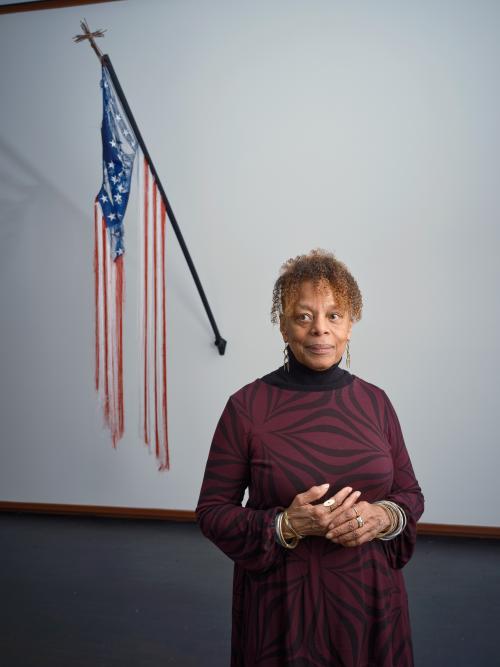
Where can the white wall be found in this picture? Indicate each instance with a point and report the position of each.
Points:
(371, 129)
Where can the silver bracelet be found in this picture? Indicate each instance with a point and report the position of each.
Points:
(402, 521)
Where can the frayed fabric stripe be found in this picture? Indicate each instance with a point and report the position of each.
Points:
(153, 309)
(109, 296)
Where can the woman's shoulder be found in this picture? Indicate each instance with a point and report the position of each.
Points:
(249, 389)
(368, 386)
(245, 404)
(370, 389)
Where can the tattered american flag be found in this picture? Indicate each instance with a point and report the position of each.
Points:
(119, 152)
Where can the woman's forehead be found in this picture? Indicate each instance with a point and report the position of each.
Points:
(309, 293)
(310, 289)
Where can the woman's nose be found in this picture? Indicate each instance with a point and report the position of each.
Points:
(320, 325)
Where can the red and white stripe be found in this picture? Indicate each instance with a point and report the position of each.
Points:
(153, 313)
(109, 301)
(109, 304)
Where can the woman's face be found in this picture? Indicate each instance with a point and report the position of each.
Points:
(315, 328)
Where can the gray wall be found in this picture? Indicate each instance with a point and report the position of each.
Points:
(367, 128)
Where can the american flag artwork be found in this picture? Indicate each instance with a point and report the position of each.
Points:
(120, 150)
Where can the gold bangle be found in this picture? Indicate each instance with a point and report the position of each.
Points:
(288, 524)
(288, 544)
(393, 519)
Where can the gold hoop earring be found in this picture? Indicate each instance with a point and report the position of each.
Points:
(286, 359)
(348, 356)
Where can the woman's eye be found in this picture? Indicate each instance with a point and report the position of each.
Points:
(334, 316)
(303, 317)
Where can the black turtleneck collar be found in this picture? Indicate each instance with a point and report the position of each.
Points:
(302, 378)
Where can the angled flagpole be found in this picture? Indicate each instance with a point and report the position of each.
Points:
(106, 62)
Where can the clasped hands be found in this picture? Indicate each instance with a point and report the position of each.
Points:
(337, 520)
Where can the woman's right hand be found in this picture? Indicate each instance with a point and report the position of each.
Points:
(308, 519)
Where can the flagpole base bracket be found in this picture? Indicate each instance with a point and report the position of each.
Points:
(221, 345)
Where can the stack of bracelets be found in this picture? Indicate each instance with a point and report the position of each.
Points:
(397, 517)
(396, 526)
(288, 544)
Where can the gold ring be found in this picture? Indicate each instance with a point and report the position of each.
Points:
(330, 503)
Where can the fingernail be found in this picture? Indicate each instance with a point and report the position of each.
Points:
(325, 486)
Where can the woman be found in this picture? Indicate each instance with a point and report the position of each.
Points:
(333, 501)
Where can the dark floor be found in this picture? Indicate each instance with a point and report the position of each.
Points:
(82, 592)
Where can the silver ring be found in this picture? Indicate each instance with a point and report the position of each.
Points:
(360, 521)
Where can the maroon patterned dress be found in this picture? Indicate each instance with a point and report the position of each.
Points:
(320, 604)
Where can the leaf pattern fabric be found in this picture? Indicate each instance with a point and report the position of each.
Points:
(320, 604)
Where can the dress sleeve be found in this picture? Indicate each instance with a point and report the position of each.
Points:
(405, 492)
(244, 534)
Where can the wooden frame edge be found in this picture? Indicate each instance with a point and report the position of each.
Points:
(17, 7)
(189, 516)
(456, 530)
(99, 510)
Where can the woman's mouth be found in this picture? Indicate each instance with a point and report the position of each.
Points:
(320, 349)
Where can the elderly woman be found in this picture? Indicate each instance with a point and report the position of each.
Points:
(332, 498)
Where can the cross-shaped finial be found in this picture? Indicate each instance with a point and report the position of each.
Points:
(87, 34)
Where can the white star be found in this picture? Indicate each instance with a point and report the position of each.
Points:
(118, 117)
(120, 188)
(113, 143)
(118, 199)
(115, 179)
(119, 251)
(104, 199)
(111, 165)
(111, 217)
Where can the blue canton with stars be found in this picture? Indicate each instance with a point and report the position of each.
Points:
(119, 147)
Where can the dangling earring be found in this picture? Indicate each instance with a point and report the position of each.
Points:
(348, 356)
(286, 359)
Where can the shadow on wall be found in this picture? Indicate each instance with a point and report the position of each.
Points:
(46, 300)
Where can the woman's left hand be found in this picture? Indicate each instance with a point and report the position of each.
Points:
(357, 525)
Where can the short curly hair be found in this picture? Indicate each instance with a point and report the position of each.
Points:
(319, 266)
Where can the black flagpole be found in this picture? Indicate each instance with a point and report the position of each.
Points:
(106, 62)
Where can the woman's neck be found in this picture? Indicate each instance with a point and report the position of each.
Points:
(302, 378)
(301, 374)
